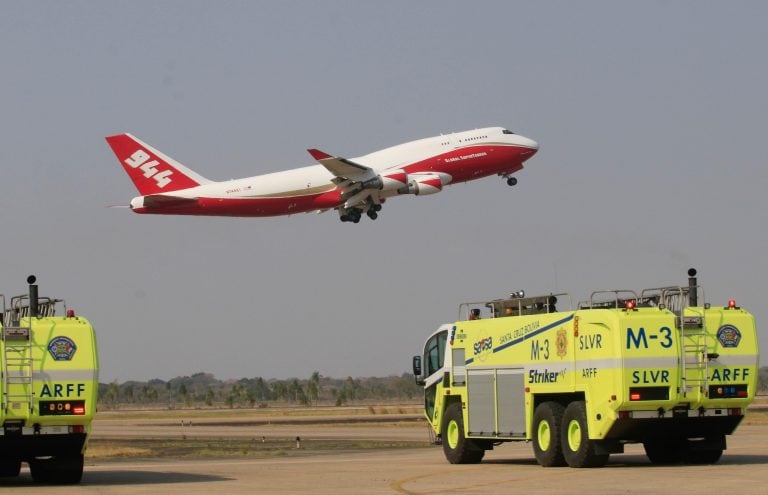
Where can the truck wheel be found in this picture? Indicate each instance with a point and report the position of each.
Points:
(457, 447)
(704, 456)
(9, 468)
(665, 450)
(59, 470)
(547, 422)
(578, 449)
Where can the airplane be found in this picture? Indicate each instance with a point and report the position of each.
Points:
(353, 187)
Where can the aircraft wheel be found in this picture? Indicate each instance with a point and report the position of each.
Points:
(511, 181)
(376, 207)
(344, 218)
(372, 215)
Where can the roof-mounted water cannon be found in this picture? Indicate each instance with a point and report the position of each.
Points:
(33, 309)
(693, 299)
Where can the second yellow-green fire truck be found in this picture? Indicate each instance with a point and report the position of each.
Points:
(48, 388)
(656, 368)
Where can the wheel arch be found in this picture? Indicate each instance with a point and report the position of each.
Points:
(447, 402)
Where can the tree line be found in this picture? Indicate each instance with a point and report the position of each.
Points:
(204, 389)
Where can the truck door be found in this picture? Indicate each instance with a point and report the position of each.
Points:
(434, 362)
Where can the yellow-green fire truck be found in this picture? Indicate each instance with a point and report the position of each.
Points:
(654, 368)
(48, 387)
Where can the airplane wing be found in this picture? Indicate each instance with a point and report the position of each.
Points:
(358, 182)
(342, 168)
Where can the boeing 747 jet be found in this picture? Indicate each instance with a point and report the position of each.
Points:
(353, 187)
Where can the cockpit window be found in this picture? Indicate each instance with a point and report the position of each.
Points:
(505, 131)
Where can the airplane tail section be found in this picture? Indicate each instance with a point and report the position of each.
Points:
(151, 171)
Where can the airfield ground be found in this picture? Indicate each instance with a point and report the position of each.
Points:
(380, 450)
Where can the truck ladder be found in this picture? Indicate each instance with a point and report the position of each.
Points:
(18, 389)
(694, 365)
(695, 369)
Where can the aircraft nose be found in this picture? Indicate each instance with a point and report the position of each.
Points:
(531, 146)
(529, 143)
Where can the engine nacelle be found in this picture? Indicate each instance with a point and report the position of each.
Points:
(423, 184)
(391, 181)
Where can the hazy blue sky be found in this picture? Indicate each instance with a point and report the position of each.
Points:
(651, 117)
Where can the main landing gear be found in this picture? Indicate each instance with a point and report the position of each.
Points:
(354, 214)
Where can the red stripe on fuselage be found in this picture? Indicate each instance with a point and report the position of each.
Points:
(253, 207)
(475, 162)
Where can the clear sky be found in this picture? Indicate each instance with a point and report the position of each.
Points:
(651, 120)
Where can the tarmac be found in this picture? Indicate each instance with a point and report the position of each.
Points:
(510, 468)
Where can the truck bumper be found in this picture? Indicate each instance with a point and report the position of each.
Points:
(26, 447)
(683, 427)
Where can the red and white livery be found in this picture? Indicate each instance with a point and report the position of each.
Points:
(354, 186)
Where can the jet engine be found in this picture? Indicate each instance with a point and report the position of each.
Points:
(423, 184)
(391, 181)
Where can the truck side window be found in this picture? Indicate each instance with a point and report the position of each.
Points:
(434, 352)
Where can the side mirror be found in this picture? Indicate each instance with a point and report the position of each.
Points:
(417, 369)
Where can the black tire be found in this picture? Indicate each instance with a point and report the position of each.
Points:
(9, 468)
(457, 447)
(665, 451)
(547, 445)
(512, 181)
(704, 456)
(578, 449)
(59, 470)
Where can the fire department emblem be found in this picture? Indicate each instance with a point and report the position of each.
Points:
(562, 343)
(62, 348)
(729, 336)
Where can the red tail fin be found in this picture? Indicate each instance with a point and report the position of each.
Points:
(151, 171)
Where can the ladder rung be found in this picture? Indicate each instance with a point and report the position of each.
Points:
(18, 370)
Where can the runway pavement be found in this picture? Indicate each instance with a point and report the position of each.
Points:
(509, 469)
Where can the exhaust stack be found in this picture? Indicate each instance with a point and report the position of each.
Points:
(693, 298)
(33, 309)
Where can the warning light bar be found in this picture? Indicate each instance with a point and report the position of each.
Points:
(728, 392)
(62, 407)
